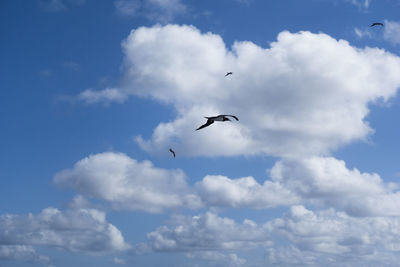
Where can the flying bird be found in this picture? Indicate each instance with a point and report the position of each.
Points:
(376, 24)
(173, 152)
(228, 73)
(210, 120)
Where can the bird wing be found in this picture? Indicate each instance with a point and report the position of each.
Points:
(173, 152)
(209, 122)
(236, 118)
(376, 23)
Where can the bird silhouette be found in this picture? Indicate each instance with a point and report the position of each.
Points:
(210, 120)
(376, 24)
(228, 73)
(173, 152)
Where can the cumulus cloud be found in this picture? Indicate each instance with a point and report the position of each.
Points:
(300, 237)
(327, 181)
(129, 184)
(207, 232)
(334, 238)
(221, 191)
(21, 253)
(84, 230)
(322, 181)
(156, 10)
(306, 94)
(392, 32)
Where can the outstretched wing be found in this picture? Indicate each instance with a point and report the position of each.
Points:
(376, 23)
(209, 122)
(228, 73)
(236, 118)
(173, 152)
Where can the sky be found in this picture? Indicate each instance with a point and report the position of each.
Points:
(95, 93)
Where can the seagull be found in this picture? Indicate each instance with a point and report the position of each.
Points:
(210, 120)
(173, 152)
(376, 24)
(228, 73)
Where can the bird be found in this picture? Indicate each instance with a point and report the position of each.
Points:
(173, 152)
(376, 24)
(228, 73)
(210, 120)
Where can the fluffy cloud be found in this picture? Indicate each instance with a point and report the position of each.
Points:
(129, 184)
(329, 182)
(206, 232)
(305, 95)
(21, 253)
(222, 191)
(83, 230)
(322, 181)
(300, 237)
(333, 238)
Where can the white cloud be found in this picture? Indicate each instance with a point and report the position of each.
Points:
(84, 230)
(392, 32)
(300, 237)
(221, 191)
(305, 95)
(155, 10)
(329, 182)
(334, 239)
(207, 232)
(21, 253)
(129, 184)
(322, 181)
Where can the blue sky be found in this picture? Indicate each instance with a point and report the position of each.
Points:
(94, 93)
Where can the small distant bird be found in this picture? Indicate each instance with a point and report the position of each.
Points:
(376, 24)
(173, 152)
(210, 120)
(228, 73)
